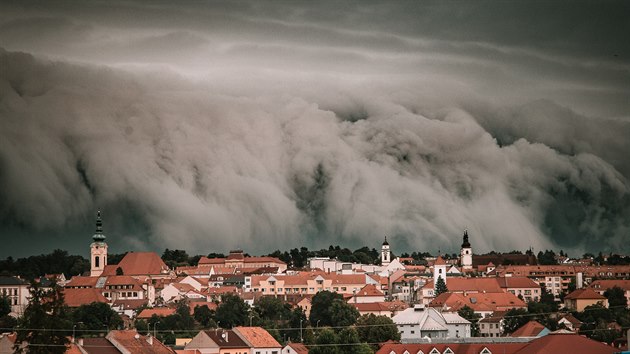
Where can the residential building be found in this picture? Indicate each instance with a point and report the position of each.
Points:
(420, 321)
(309, 283)
(389, 308)
(368, 293)
(16, 290)
(484, 304)
(570, 322)
(219, 341)
(295, 348)
(259, 340)
(491, 326)
(581, 298)
(236, 259)
(601, 286)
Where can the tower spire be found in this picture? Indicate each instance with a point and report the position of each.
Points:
(98, 234)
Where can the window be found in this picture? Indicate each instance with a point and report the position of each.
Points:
(97, 261)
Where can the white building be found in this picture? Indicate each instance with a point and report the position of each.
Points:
(420, 322)
(16, 290)
(465, 257)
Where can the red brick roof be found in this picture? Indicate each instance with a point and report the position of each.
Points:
(530, 329)
(607, 284)
(565, 343)
(586, 293)
(77, 297)
(139, 263)
(257, 337)
(516, 282)
(489, 285)
(226, 339)
(98, 346)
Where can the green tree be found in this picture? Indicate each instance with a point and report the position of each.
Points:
(616, 297)
(95, 317)
(297, 320)
(204, 316)
(6, 321)
(514, 319)
(440, 286)
(271, 310)
(349, 342)
(232, 311)
(469, 314)
(46, 316)
(376, 329)
(342, 313)
(320, 308)
(325, 343)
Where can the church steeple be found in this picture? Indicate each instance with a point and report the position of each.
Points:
(98, 249)
(98, 234)
(465, 244)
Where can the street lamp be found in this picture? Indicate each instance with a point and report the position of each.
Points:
(317, 324)
(301, 338)
(154, 330)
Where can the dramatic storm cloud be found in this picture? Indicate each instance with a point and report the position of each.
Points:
(266, 125)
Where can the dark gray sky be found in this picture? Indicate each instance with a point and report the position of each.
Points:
(266, 125)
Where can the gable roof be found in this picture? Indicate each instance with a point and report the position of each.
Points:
(369, 290)
(298, 347)
(478, 301)
(586, 293)
(226, 338)
(98, 346)
(530, 329)
(79, 281)
(135, 343)
(161, 311)
(257, 337)
(566, 343)
(472, 348)
(139, 263)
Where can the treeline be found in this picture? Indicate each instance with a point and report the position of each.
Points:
(57, 262)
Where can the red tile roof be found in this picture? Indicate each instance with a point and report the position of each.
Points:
(439, 261)
(516, 282)
(599, 285)
(530, 329)
(464, 348)
(489, 285)
(78, 281)
(83, 296)
(257, 337)
(369, 290)
(98, 346)
(139, 263)
(226, 339)
(478, 301)
(586, 293)
(380, 306)
(565, 343)
(299, 348)
(135, 343)
(161, 311)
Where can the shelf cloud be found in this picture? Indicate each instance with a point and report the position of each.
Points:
(255, 125)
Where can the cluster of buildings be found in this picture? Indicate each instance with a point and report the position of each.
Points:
(397, 288)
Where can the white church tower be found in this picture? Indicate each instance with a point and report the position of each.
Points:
(98, 249)
(439, 270)
(465, 257)
(386, 255)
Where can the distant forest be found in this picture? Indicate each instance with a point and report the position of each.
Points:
(59, 261)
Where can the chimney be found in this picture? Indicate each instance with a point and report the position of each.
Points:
(150, 340)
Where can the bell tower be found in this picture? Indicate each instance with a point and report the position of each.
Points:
(98, 249)
(386, 255)
(465, 256)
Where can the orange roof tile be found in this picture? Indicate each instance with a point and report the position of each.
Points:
(139, 263)
(439, 261)
(565, 343)
(78, 281)
(369, 290)
(586, 293)
(257, 337)
(135, 343)
(83, 296)
(160, 312)
(478, 301)
(299, 348)
(530, 329)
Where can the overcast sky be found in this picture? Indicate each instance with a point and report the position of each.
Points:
(272, 125)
